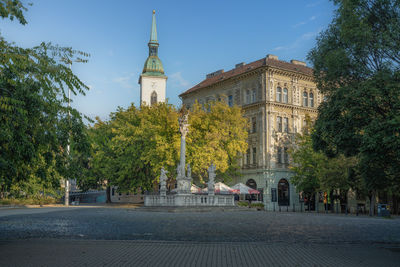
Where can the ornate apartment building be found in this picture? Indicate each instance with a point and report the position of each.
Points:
(276, 96)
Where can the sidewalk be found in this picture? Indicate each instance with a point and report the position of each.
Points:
(58, 252)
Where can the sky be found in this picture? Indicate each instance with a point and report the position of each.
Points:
(195, 37)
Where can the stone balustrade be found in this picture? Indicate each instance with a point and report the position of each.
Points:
(188, 200)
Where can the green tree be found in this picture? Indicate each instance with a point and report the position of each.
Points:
(101, 170)
(35, 125)
(356, 65)
(217, 134)
(130, 149)
(315, 172)
(307, 165)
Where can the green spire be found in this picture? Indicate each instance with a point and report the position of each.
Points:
(153, 65)
(153, 36)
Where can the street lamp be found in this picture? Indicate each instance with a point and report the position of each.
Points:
(68, 146)
(67, 181)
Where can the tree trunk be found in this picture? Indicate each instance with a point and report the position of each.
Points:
(371, 203)
(108, 194)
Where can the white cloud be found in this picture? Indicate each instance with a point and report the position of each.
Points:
(125, 81)
(308, 35)
(313, 4)
(304, 22)
(178, 79)
(299, 24)
(304, 37)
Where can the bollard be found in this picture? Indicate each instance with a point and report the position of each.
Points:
(346, 208)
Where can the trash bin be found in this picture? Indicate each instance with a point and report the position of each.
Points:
(383, 210)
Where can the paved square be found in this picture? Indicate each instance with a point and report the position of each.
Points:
(127, 236)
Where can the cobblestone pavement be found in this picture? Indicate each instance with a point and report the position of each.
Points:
(147, 253)
(127, 236)
(241, 226)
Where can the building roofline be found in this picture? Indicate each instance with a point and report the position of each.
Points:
(269, 61)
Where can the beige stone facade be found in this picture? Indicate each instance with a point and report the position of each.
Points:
(276, 97)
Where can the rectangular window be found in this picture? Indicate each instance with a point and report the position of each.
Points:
(230, 100)
(286, 125)
(279, 124)
(285, 156)
(248, 156)
(248, 97)
(253, 96)
(254, 155)
(278, 155)
(113, 191)
(253, 125)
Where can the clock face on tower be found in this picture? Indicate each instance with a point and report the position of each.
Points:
(153, 85)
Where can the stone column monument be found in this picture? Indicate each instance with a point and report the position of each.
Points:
(163, 182)
(184, 183)
(211, 177)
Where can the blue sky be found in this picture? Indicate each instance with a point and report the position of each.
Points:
(196, 38)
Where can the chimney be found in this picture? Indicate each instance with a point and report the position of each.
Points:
(215, 73)
(239, 65)
(298, 62)
(269, 56)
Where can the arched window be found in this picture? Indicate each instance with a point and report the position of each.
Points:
(305, 99)
(153, 99)
(251, 183)
(279, 94)
(311, 100)
(285, 95)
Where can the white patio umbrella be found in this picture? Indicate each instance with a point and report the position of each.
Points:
(195, 189)
(244, 189)
(224, 189)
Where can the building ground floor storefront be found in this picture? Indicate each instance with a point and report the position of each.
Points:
(277, 193)
(276, 190)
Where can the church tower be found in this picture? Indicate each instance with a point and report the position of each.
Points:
(152, 81)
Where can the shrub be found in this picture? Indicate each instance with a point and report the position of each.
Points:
(257, 205)
(243, 203)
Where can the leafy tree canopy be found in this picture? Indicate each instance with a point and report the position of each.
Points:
(35, 125)
(357, 67)
(314, 171)
(132, 147)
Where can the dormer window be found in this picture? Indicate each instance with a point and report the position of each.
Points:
(153, 51)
